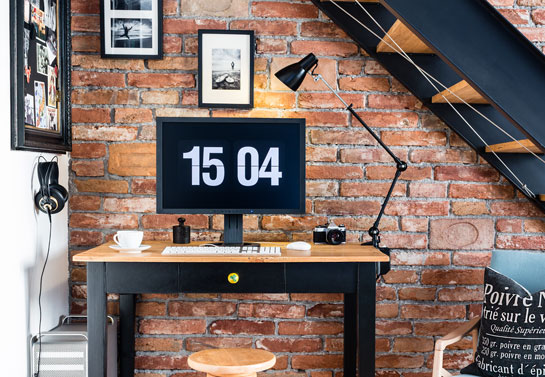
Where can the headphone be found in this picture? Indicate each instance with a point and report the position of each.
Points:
(51, 197)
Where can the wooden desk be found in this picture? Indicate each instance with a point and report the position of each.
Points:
(348, 269)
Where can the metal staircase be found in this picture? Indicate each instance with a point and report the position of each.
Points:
(480, 56)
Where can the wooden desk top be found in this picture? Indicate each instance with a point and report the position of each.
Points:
(318, 253)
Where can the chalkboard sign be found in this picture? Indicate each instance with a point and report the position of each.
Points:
(39, 75)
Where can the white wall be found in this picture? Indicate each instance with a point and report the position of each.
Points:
(24, 239)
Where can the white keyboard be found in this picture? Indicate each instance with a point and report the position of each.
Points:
(222, 250)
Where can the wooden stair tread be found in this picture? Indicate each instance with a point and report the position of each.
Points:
(513, 147)
(405, 38)
(463, 90)
(542, 197)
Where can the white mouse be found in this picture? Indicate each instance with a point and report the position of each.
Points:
(299, 245)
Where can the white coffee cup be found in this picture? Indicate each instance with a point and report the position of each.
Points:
(129, 239)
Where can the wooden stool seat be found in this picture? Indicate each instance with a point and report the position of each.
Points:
(233, 362)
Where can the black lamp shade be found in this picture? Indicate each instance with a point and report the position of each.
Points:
(293, 75)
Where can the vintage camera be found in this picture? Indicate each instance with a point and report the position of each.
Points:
(329, 233)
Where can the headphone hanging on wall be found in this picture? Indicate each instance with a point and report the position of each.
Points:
(51, 197)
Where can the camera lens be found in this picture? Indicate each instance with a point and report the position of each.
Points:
(334, 237)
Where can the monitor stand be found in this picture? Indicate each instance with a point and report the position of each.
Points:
(232, 231)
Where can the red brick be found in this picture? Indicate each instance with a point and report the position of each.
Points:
(531, 226)
(481, 191)
(85, 23)
(364, 84)
(132, 116)
(289, 344)
(417, 294)
(261, 310)
(271, 46)
(389, 310)
(334, 172)
(85, 238)
(460, 294)
(320, 29)
(85, 43)
(469, 208)
(201, 309)
(95, 115)
(413, 173)
(287, 222)
(326, 310)
(321, 118)
(401, 276)
(369, 155)
(414, 138)
(417, 208)
(256, 296)
(363, 189)
(147, 309)
(426, 258)
(274, 100)
(96, 62)
(452, 277)
(91, 168)
(509, 225)
(321, 154)
(143, 186)
(515, 209)
(102, 185)
(435, 328)
(167, 221)
(316, 188)
(324, 48)
(104, 133)
(520, 242)
(199, 344)
(160, 362)
(284, 10)
(168, 326)
(329, 297)
(84, 203)
(413, 344)
(472, 259)
(350, 67)
(103, 221)
(310, 328)
(172, 44)
(102, 79)
(393, 327)
(414, 224)
(456, 234)
(83, 6)
(466, 173)
(342, 207)
(265, 27)
(516, 16)
(328, 100)
(161, 80)
(388, 101)
(316, 361)
(230, 327)
(443, 156)
(341, 137)
(88, 150)
(158, 344)
(129, 204)
(399, 361)
(190, 26)
(405, 241)
(538, 16)
(533, 34)
(433, 311)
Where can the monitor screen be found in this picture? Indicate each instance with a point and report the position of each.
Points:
(230, 165)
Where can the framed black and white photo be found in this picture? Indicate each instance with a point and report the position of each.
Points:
(226, 68)
(131, 29)
(40, 73)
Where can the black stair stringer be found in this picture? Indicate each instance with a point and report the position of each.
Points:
(487, 51)
(524, 166)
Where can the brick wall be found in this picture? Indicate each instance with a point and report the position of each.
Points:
(448, 212)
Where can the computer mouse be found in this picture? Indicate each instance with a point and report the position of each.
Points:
(299, 245)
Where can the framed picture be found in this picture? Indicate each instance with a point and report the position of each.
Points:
(131, 29)
(40, 73)
(226, 68)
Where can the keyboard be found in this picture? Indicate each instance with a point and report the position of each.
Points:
(222, 250)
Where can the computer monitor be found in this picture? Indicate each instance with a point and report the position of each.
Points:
(231, 166)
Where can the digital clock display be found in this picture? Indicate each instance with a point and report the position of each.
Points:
(230, 166)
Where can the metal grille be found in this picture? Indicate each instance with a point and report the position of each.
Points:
(60, 358)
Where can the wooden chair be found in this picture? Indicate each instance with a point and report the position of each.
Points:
(231, 362)
(524, 267)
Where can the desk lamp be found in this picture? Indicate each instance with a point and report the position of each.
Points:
(292, 76)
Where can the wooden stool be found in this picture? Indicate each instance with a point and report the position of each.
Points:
(231, 362)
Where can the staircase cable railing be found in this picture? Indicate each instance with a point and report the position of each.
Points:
(430, 78)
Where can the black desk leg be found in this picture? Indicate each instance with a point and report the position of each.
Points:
(350, 334)
(126, 335)
(96, 319)
(366, 319)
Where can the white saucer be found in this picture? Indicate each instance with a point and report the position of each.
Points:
(133, 250)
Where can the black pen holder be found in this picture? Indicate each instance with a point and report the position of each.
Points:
(181, 233)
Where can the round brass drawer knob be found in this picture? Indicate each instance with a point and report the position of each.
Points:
(233, 278)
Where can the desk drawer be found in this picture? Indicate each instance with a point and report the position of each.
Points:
(141, 277)
(252, 278)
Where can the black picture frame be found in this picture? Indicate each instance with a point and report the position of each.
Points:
(206, 73)
(131, 53)
(25, 137)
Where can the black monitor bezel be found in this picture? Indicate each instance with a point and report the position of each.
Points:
(160, 121)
